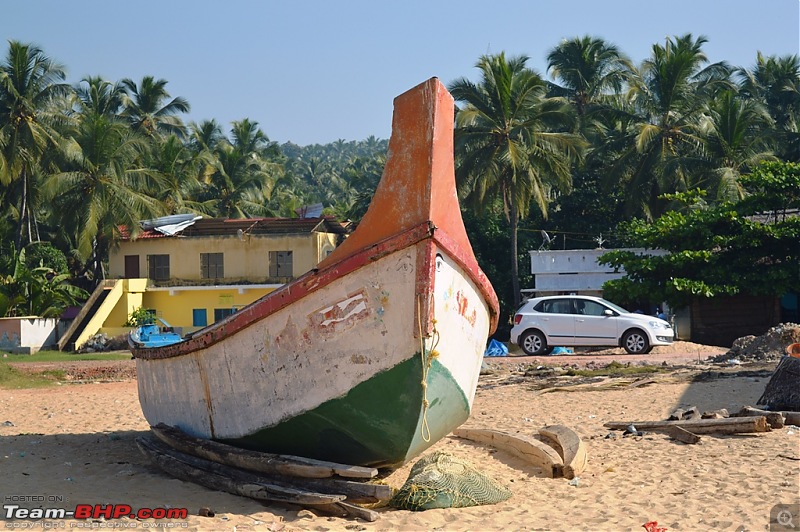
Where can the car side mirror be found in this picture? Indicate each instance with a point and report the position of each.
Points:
(609, 312)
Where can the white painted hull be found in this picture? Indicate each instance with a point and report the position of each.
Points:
(318, 349)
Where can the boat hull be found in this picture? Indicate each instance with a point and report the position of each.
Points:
(338, 376)
(370, 358)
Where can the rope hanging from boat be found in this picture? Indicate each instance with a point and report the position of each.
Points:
(427, 361)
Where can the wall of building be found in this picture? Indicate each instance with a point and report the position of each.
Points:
(575, 270)
(721, 320)
(245, 259)
(246, 274)
(176, 305)
(27, 334)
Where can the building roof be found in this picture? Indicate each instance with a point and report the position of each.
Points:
(249, 226)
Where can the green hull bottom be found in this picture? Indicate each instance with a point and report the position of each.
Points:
(379, 423)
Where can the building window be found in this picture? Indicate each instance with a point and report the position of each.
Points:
(280, 263)
(211, 266)
(199, 317)
(158, 267)
(222, 313)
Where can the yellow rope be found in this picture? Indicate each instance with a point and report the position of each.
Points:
(427, 361)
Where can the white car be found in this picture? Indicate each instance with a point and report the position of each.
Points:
(545, 322)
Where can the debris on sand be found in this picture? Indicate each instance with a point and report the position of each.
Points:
(769, 346)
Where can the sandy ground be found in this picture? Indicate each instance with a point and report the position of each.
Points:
(74, 444)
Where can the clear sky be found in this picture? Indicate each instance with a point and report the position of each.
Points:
(317, 71)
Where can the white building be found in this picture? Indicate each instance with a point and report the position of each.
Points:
(574, 271)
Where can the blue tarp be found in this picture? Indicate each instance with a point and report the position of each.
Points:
(496, 349)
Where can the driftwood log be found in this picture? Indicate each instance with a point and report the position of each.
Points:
(326, 494)
(734, 425)
(679, 433)
(783, 389)
(295, 466)
(185, 467)
(527, 448)
(569, 445)
(776, 420)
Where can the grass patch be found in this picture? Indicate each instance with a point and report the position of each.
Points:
(12, 378)
(616, 369)
(60, 356)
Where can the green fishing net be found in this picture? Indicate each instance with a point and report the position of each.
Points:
(440, 480)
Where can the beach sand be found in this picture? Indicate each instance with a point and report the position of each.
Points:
(74, 444)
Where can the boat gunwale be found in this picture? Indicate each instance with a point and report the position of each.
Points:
(319, 278)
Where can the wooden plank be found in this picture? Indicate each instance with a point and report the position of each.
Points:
(362, 492)
(733, 425)
(570, 446)
(527, 448)
(345, 509)
(184, 470)
(681, 434)
(256, 461)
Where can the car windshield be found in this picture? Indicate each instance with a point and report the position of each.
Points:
(615, 307)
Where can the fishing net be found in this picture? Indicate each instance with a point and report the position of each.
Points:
(440, 480)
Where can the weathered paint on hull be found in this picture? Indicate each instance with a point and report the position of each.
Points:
(378, 423)
(331, 361)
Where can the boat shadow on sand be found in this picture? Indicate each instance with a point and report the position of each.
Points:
(107, 468)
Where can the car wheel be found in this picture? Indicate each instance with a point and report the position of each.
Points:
(534, 343)
(635, 342)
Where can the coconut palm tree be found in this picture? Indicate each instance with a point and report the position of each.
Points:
(512, 142)
(244, 173)
(32, 96)
(735, 141)
(181, 170)
(149, 112)
(662, 145)
(588, 71)
(775, 81)
(103, 186)
(98, 96)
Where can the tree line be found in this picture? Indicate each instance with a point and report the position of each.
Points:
(602, 141)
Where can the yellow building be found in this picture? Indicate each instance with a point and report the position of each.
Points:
(198, 271)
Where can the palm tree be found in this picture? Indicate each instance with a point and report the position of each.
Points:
(589, 71)
(734, 142)
(103, 186)
(775, 82)
(147, 111)
(181, 170)
(242, 181)
(668, 96)
(98, 96)
(32, 93)
(511, 142)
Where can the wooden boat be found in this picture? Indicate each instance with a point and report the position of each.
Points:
(371, 357)
(153, 335)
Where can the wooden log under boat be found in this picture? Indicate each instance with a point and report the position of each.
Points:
(255, 461)
(281, 488)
